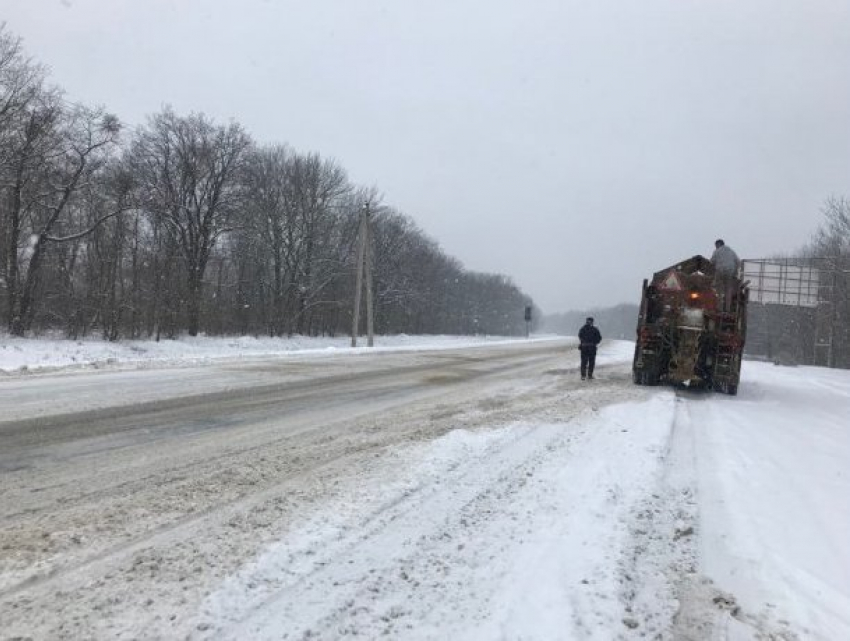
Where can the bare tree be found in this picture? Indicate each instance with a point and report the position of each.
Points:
(21, 87)
(270, 224)
(21, 81)
(189, 169)
(832, 243)
(54, 151)
(315, 188)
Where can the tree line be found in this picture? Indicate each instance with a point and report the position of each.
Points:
(829, 251)
(615, 322)
(183, 224)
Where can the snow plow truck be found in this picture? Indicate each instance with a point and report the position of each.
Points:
(686, 333)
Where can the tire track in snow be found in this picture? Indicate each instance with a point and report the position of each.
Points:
(470, 520)
(392, 525)
(704, 611)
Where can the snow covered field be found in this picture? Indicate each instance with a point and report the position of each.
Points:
(442, 489)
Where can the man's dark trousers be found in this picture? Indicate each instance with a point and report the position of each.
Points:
(588, 360)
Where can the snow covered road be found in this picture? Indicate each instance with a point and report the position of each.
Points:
(473, 493)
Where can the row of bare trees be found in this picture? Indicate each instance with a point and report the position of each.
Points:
(187, 225)
(831, 244)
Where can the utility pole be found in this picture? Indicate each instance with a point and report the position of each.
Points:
(370, 314)
(830, 358)
(363, 262)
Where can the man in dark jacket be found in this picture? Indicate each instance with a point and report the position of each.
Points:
(589, 337)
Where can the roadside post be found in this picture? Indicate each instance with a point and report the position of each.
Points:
(363, 263)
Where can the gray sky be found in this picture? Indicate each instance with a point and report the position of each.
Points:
(576, 146)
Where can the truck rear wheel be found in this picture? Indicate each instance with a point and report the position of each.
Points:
(645, 377)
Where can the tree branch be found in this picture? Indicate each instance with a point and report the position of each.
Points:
(86, 232)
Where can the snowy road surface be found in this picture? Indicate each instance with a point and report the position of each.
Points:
(473, 493)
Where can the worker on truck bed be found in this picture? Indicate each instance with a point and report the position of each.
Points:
(726, 264)
(589, 337)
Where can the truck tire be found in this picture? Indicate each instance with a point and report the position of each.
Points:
(645, 377)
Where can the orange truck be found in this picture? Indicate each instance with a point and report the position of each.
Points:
(685, 337)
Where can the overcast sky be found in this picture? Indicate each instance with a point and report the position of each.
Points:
(576, 146)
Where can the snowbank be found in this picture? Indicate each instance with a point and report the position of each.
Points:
(39, 354)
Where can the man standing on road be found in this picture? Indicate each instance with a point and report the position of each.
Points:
(726, 264)
(589, 337)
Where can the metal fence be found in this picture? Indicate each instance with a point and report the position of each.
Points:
(799, 310)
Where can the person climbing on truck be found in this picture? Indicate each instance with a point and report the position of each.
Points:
(726, 263)
(589, 337)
